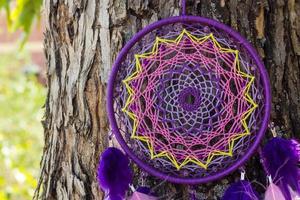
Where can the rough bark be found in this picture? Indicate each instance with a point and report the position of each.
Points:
(82, 39)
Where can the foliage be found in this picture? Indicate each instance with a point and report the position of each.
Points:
(21, 133)
(20, 14)
(21, 99)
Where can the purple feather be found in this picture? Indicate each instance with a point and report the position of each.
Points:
(280, 159)
(114, 173)
(241, 190)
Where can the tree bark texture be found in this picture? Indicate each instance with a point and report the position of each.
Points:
(83, 38)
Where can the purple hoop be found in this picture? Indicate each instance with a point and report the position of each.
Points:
(233, 34)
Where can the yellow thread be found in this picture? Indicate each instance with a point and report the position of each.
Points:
(146, 139)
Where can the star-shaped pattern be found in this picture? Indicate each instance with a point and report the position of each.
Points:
(189, 100)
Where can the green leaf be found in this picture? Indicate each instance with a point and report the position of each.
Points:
(6, 5)
(22, 15)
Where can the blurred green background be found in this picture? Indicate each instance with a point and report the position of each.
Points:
(22, 95)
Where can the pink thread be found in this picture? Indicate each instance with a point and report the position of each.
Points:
(189, 133)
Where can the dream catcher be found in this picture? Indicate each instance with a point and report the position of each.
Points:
(188, 99)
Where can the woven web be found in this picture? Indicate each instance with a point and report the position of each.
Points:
(186, 100)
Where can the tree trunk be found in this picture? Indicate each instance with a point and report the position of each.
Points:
(82, 39)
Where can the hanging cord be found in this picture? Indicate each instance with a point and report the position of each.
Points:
(272, 129)
(183, 7)
(243, 173)
(111, 139)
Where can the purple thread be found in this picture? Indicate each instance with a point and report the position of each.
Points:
(189, 99)
(187, 119)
